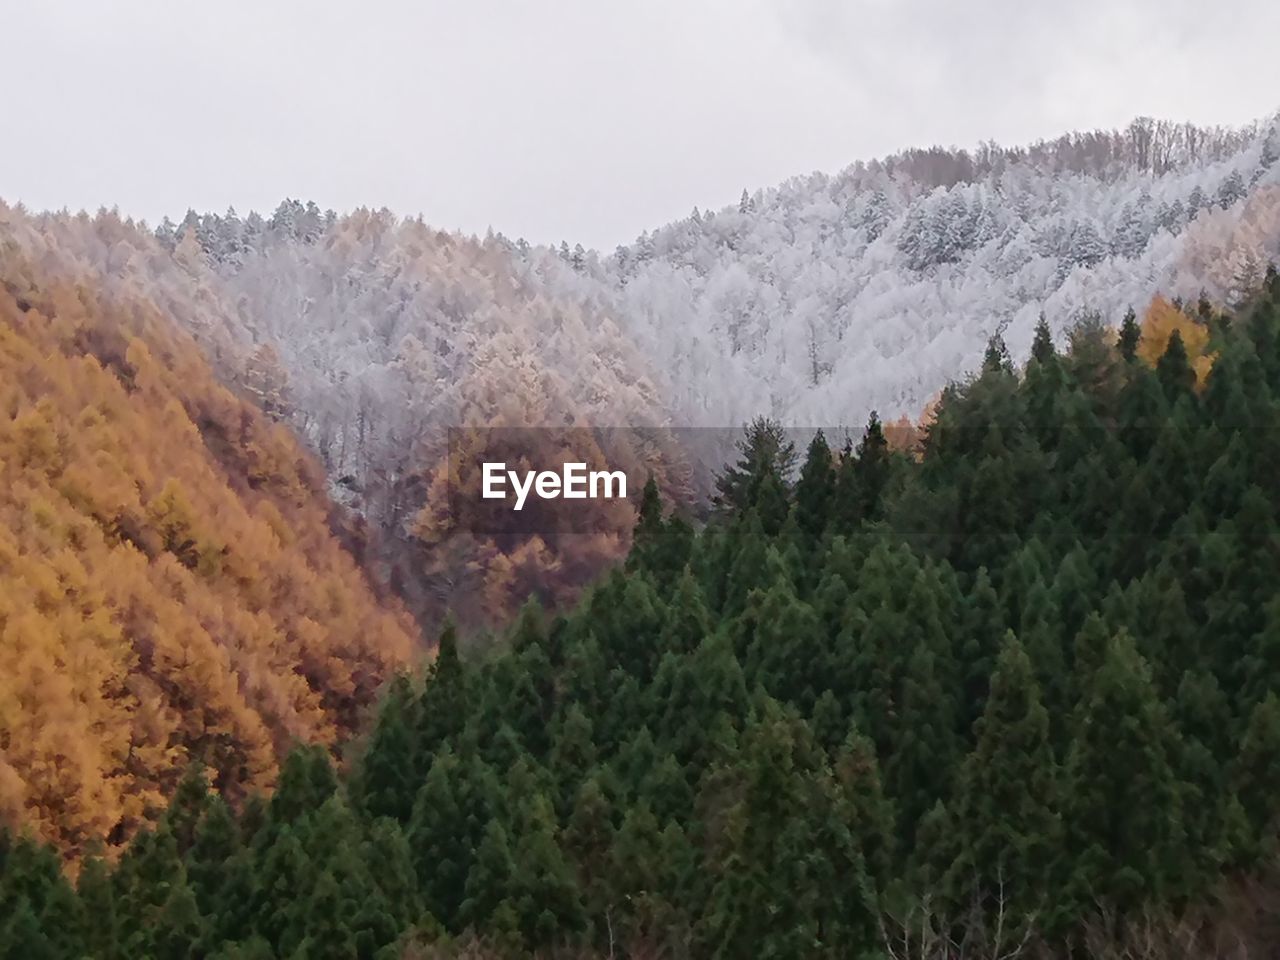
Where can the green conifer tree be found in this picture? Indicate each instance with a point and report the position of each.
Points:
(1007, 808)
(1123, 811)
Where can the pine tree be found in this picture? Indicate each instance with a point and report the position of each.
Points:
(862, 477)
(216, 840)
(31, 880)
(815, 488)
(1042, 350)
(283, 871)
(326, 934)
(1130, 334)
(489, 881)
(786, 653)
(872, 814)
(649, 517)
(1124, 804)
(307, 780)
(635, 872)
(1007, 805)
(148, 872)
(695, 693)
(1174, 369)
(765, 454)
(1255, 775)
(445, 705)
(386, 784)
(828, 721)
(687, 619)
(545, 891)
(441, 834)
(23, 937)
(784, 875)
(1213, 822)
(188, 803)
(748, 569)
(100, 926)
(588, 839)
(996, 359)
(982, 629)
(179, 931)
(573, 751)
(389, 857)
(926, 747)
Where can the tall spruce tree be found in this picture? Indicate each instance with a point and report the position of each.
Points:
(1008, 800)
(1124, 812)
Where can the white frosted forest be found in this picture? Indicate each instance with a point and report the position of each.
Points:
(814, 301)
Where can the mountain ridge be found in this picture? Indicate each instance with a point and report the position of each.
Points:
(814, 302)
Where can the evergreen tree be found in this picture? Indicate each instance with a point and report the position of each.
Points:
(1174, 369)
(386, 784)
(99, 925)
(443, 831)
(815, 488)
(766, 455)
(647, 537)
(863, 476)
(187, 804)
(23, 937)
(1130, 334)
(784, 875)
(1124, 811)
(1042, 350)
(687, 620)
(307, 780)
(871, 813)
(178, 931)
(1256, 775)
(1008, 802)
(215, 842)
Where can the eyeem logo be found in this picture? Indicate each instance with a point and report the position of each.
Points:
(574, 482)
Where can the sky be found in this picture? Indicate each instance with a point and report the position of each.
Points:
(583, 120)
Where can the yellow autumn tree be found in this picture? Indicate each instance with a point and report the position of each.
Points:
(1159, 322)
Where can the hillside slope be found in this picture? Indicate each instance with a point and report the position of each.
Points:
(813, 302)
(372, 336)
(170, 589)
(828, 296)
(1016, 697)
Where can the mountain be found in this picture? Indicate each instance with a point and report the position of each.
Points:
(1016, 696)
(829, 296)
(173, 588)
(371, 336)
(814, 302)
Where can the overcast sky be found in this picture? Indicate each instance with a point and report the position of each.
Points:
(581, 119)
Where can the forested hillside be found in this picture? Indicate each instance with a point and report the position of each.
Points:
(170, 589)
(870, 288)
(1018, 695)
(371, 336)
(812, 302)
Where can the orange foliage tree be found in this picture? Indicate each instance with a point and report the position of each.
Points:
(170, 589)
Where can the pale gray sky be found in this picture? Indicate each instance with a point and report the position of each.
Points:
(585, 120)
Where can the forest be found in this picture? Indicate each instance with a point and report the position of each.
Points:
(812, 301)
(1012, 693)
(173, 580)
